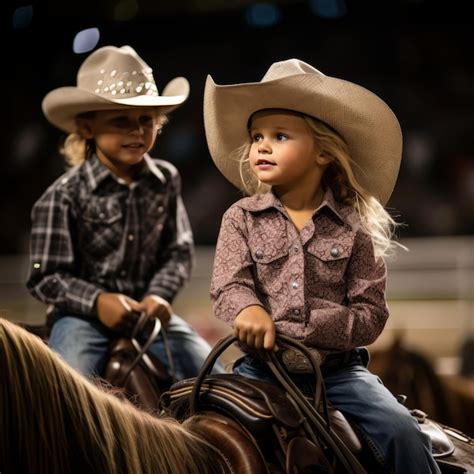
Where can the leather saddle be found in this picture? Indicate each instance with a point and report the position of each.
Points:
(255, 404)
(284, 431)
(259, 427)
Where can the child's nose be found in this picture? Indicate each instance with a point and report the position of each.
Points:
(264, 146)
(137, 126)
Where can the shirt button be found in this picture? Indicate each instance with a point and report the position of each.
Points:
(259, 253)
(131, 237)
(334, 252)
(295, 249)
(296, 311)
(295, 285)
(160, 209)
(102, 215)
(123, 273)
(36, 265)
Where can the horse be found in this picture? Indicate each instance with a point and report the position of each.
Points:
(54, 420)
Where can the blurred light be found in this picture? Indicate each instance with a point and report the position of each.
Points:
(86, 40)
(125, 10)
(262, 15)
(26, 144)
(328, 8)
(22, 17)
(181, 143)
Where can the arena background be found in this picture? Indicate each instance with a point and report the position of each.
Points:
(415, 54)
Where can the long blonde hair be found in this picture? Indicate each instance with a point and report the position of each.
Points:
(339, 176)
(76, 148)
(54, 421)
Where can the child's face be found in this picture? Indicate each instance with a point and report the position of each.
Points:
(283, 152)
(122, 136)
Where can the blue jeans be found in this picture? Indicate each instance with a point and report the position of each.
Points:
(84, 345)
(389, 430)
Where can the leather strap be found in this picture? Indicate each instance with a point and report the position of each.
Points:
(207, 366)
(140, 325)
(314, 422)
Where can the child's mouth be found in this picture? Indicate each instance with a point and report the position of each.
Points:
(264, 164)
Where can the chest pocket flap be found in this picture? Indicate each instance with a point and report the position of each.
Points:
(266, 251)
(330, 250)
(103, 211)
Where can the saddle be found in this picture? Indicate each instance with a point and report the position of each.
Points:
(259, 427)
(132, 368)
(284, 431)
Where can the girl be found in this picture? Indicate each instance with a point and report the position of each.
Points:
(111, 238)
(303, 256)
(53, 421)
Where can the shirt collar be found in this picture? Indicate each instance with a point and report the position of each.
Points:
(96, 171)
(260, 202)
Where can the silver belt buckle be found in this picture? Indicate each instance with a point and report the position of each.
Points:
(297, 363)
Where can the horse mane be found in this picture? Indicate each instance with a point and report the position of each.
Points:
(55, 421)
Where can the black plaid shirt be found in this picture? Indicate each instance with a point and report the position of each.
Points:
(93, 233)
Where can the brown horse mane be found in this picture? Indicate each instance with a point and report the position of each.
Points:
(53, 420)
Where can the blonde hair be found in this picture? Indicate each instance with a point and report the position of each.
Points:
(339, 176)
(76, 149)
(54, 421)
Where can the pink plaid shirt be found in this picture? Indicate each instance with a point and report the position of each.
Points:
(321, 285)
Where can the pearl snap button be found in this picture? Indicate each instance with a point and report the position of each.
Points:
(296, 311)
(295, 285)
(334, 252)
(259, 254)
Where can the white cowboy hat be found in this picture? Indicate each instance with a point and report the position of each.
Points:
(366, 123)
(111, 78)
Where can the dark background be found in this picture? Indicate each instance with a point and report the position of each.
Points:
(416, 55)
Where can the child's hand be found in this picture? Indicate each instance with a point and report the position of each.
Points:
(156, 307)
(117, 311)
(254, 327)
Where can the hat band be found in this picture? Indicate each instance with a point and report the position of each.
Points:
(121, 84)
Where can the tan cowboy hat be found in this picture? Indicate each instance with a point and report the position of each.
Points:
(367, 124)
(111, 78)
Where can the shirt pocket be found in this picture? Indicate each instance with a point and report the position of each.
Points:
(270, 257)
(328, 260)
(102, 229)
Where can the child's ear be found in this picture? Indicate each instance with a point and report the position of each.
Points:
(84, 128)
(323, 160)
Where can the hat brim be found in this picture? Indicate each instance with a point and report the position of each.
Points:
(62, 105)
(367, 124)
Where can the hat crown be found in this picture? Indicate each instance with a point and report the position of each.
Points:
(112, 72)
(290, 67)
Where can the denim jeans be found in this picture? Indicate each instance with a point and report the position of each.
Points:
(84, 344)
(389, 430)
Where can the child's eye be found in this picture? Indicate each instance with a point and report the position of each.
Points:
(146, 120)
(256, 138)
(120, 121)
(281, 137)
